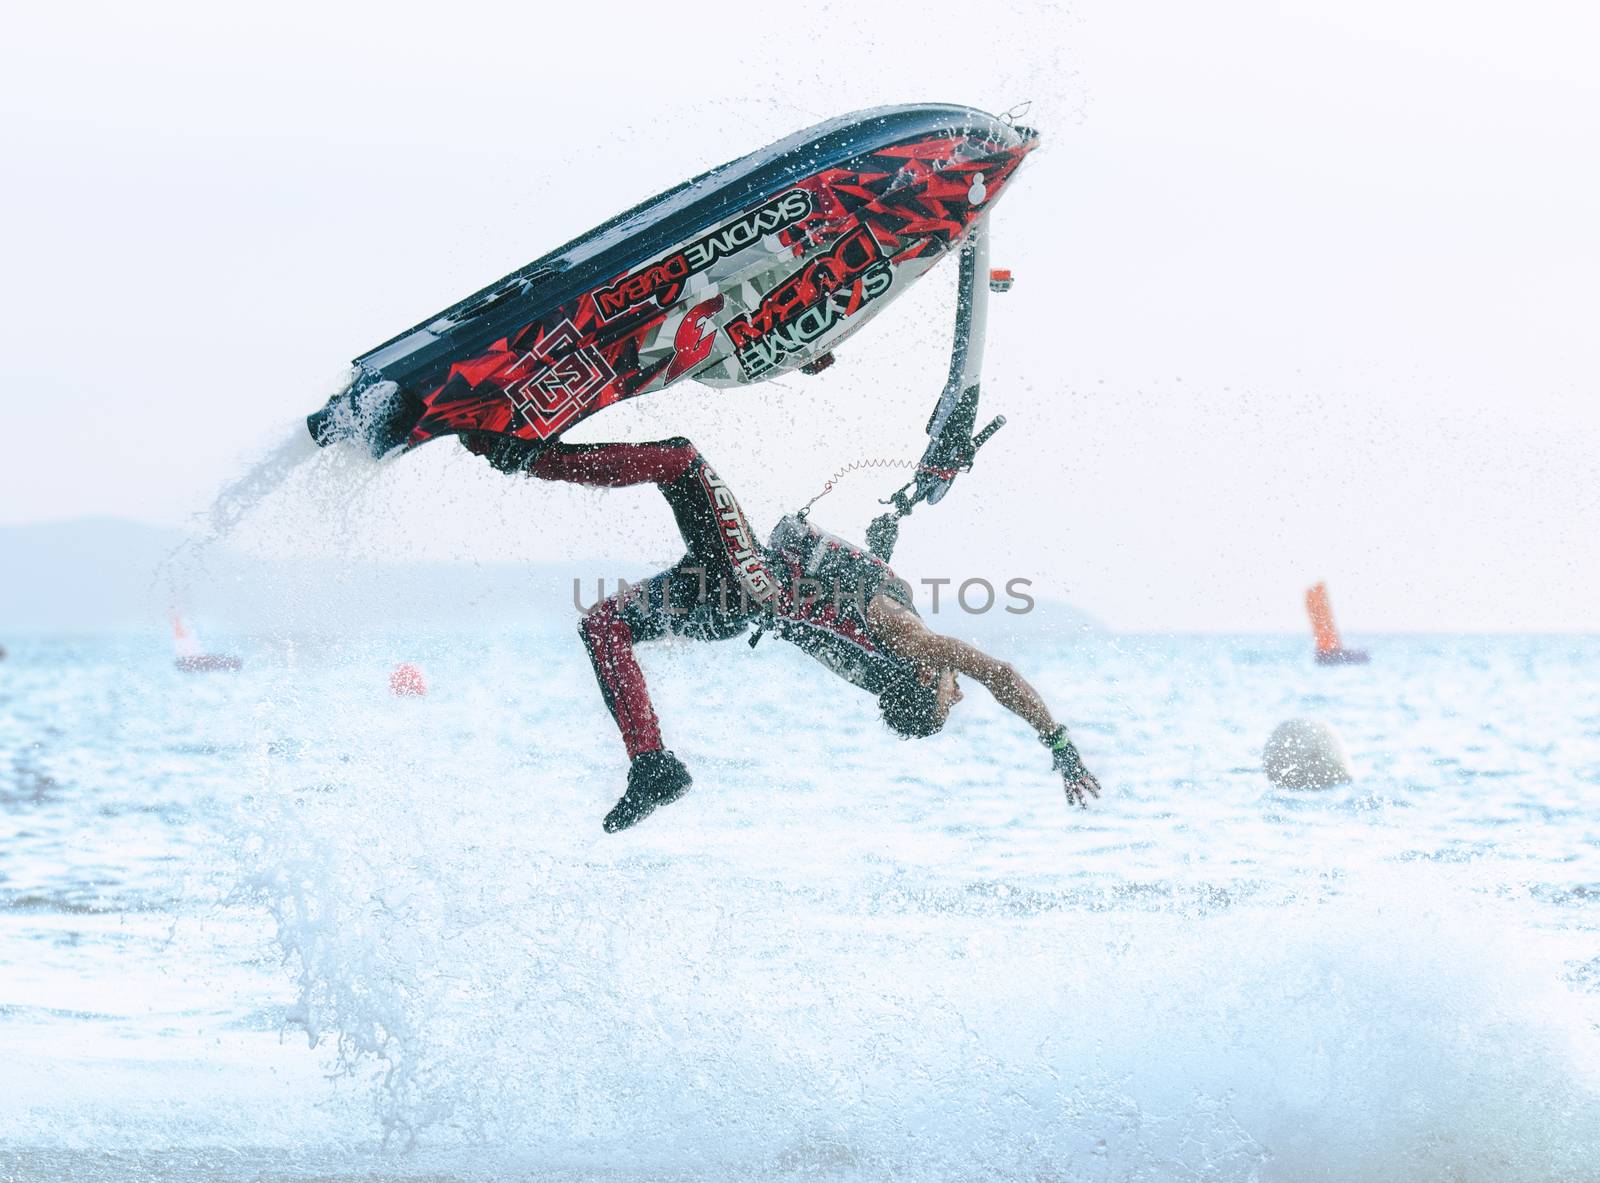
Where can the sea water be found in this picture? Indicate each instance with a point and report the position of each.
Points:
(281, 924)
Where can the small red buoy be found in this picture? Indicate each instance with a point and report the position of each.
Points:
(1000, 279)
(407, 681)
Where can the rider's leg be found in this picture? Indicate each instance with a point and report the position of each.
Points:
(713, 525)
(722, 550)
(655, 775)
(609, 632)
(616, 465)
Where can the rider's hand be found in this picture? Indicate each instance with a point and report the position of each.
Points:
(1077, 779)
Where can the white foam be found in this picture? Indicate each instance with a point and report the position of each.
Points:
(509, 973)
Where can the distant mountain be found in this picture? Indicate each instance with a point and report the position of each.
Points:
(94, 573)
(98, 574)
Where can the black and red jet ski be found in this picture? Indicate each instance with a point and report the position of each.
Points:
(741, 274)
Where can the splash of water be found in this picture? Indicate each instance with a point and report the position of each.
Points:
(495, 975)
(186, 564)
(343, 468)
(235, 500)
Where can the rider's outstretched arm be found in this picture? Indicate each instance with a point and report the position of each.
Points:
(915, 641)
(1000, 678)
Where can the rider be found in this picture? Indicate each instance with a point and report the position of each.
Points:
(841, 605)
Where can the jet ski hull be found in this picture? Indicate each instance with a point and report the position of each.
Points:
(744, 273)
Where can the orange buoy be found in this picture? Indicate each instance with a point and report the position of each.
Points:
(407, 681)
(1329, 650)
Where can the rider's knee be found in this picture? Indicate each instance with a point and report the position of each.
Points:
(684, 447)
(598, 623)
(686, 459)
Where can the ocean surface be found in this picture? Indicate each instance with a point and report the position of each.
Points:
(282, 925)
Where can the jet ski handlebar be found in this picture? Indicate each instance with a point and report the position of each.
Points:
(953, 444)
(948, 457)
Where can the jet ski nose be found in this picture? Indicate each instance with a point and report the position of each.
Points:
(324, 425)
(377, 414)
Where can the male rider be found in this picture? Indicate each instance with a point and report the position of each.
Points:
(841, 605)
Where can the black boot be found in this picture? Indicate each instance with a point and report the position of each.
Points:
(656, 778)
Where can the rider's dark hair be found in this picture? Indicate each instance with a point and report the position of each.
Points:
(909, 708)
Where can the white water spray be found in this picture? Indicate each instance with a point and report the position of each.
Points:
(235, 500)
(344, 469)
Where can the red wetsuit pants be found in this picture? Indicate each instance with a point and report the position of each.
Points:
(712, 593)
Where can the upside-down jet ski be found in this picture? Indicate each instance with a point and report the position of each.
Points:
(746, 272)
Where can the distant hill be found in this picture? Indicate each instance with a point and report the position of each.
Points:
(95, 573)
(99, 574)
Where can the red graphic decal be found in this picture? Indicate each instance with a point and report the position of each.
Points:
(849, 259)
(664, 279)
(692, 344)
(564, 376)
(903, 203)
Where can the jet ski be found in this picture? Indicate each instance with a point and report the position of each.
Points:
(744, 273)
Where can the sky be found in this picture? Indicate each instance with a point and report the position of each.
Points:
(1303, 292)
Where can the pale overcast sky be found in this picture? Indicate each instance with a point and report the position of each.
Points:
(1304, 291)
